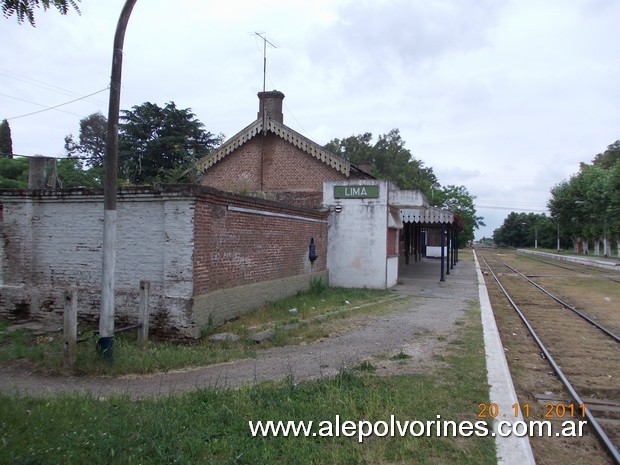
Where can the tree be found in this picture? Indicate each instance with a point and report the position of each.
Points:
(458, 200)
(6, 143)
(91, 147)
(13, 173)
(70, 174)
(388, 158)
(523, 229)
(153, 141)
(586, 206)
(355, 149)
(24, 9)
(609, 157)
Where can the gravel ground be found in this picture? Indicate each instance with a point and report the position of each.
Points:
(420, 329)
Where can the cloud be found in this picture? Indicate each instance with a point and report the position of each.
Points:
(505, 97)
(370, 36)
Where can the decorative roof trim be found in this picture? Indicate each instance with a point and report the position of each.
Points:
(286, 133)
(233, 143)
(429, 215)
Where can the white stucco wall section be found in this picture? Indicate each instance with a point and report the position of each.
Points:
(357, 237)
(434, 251)
(410, 198)
(56, 242)
(392, 272)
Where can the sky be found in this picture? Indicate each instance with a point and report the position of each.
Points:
(504, 97)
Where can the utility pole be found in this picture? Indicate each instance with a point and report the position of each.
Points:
(106, 317)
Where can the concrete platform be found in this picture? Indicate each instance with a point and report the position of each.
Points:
(608, 263)
(437, 305)
(465, 282)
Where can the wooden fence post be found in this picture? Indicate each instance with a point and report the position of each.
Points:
(143, 315)
(70, 328)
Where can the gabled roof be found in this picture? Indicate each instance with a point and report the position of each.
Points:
(286, 133)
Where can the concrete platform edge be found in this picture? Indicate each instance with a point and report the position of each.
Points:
(510, 449)
(608, 264)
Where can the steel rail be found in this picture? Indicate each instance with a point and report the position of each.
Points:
(594, 423)
(561, 302)
(559, 265)
(577, 267)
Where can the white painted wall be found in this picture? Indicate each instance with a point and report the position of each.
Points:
(56, 242)
(434, 251)
(410, 198)
(392, 271)
(357, 237)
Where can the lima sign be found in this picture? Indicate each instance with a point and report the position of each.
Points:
(356, 192)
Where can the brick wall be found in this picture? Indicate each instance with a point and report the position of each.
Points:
(204, 251)
(292, 175)
(240, 240)
(286, 167)
(238, 172)
(53, 240)
(254, 248)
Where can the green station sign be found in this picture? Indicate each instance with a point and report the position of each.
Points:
(356, 192)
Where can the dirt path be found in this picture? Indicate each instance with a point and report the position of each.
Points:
(420, 329)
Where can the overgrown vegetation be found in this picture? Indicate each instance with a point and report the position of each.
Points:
(388, 158)
(211, 426)
(313, 310)
(585, 208)
(318, 286)
(45, 352)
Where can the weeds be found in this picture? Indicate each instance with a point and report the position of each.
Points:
(45, 352)
(400, 356)
(211, 425)
(366, 366)
(318, 286)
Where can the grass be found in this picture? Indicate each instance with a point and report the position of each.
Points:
(45, 352)
(309, 304)
(311, 321)
(400, 356)
(211, 426)
(366, 366)
(312, 315)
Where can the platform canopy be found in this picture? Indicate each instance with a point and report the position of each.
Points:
(428, 215)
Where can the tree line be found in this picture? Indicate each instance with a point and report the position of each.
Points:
(585, 210)
(389, 159)
(159, 145)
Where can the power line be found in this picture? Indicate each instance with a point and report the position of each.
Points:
(34, 103)
(59, 105)
(3, 154)
(527, 209)
(44, 85)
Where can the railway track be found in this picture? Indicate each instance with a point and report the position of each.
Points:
(582, 352)
(578, 268)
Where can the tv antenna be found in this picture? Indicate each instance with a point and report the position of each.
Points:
(263, 36)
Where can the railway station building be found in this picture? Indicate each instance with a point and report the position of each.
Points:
(374, 227)
(274, 210)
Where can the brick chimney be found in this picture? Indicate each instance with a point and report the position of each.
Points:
(271, 103)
